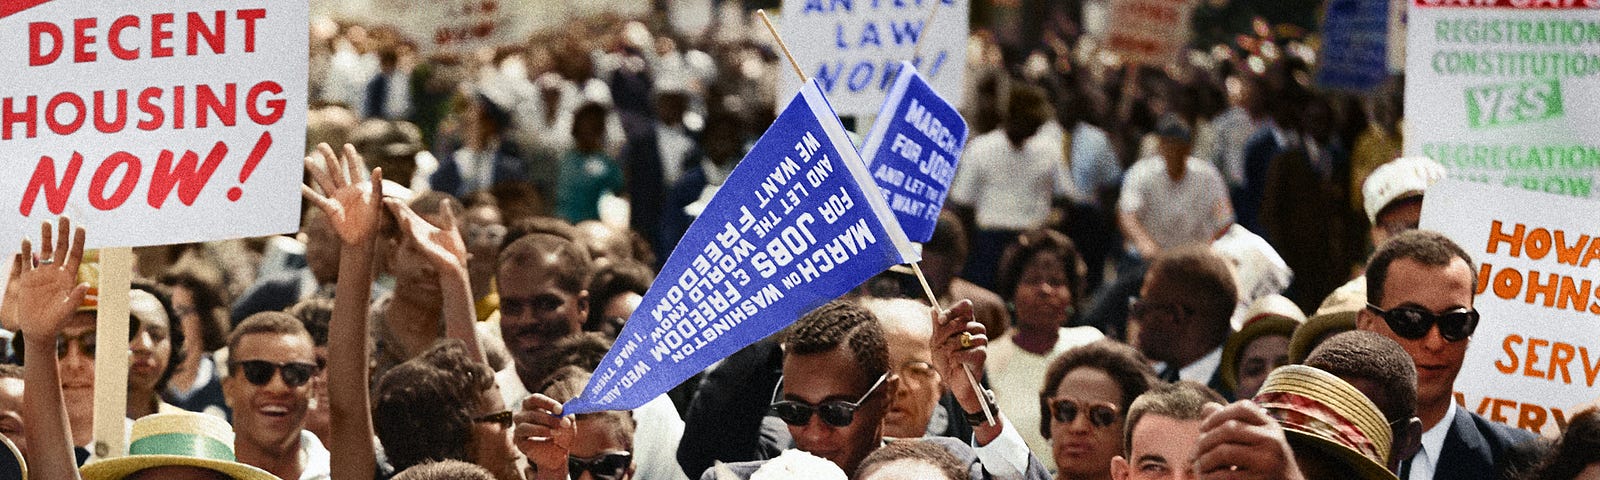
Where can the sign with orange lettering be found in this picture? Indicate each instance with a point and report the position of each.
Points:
(152, 122)
(1536, 352)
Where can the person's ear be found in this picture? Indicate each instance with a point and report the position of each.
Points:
(1365, 320)
(230, 390)
(1119, 468)
(1407, 444)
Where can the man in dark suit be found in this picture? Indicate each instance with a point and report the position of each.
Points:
(1419, 292)
(837, 387)
(1182, 315)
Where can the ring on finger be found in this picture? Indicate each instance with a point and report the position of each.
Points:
(965, 339)
(47, 261)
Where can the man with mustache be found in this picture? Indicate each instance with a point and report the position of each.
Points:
(541, 281)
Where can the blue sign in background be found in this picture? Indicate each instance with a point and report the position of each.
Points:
(912, 151)
(798, 223)
(1355, 45)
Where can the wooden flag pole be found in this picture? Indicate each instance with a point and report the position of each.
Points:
(926, 288)
(111, 362)
(972, 379)
(783, 46)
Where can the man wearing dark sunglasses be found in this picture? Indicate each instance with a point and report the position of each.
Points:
(271, 363)
(1419, 291)
(836, 390)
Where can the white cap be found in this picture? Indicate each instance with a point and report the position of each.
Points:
(1397, 180)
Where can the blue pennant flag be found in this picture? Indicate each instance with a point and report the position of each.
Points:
(798, 223)
(912, 151)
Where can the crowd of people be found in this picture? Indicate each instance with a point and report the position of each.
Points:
(1210, 269)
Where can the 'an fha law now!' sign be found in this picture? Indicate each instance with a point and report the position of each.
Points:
(152, 122)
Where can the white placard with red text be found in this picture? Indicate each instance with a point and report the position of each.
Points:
(1149, 32)
(1535, 356)
(152, 122)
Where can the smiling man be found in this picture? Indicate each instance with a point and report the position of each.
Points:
(272, 361)
(1419, 291)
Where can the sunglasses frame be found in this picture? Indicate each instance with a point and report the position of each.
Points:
(1139, 308)
(577, 465)
(1083, 408)
(279, 370)
(87, 340)
(1428, 320)
(809, 409)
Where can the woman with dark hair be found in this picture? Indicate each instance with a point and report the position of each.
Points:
(1085, 400)
(155, 348)
(1577, 454)
(615, 291)
(1042, 277)
(201, 312)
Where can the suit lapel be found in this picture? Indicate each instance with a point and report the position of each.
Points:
(1465, 454)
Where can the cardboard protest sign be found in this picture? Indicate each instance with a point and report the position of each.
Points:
(1499, 91)
(152, 122)
(1149, 32)
(854, 48)
(798, 223)
(912, 152)
(1355, 45)
(1536, 352)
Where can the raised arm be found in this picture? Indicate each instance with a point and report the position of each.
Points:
(1000, 448)
(49, 290)
(353, 208)
(448, 254)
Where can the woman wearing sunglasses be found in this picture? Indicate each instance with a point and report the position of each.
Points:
(1087, 391)
(602, 448)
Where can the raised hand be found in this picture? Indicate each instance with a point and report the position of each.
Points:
(48, 289)
(443, 246)
(1240, 442)
(544, 436)
(352, 206)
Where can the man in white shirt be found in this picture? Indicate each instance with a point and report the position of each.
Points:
(1008, 178)
(1172, 200)
(271, 362)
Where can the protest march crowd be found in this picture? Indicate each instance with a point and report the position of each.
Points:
(1207, 269)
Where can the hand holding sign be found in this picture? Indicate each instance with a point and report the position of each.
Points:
(544, 436)
(352, 208)
(49, 291)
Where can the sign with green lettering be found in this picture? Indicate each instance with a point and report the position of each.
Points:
(1496, 91)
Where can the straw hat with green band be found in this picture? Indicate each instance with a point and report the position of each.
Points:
(177, 439)
(1319, 410)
